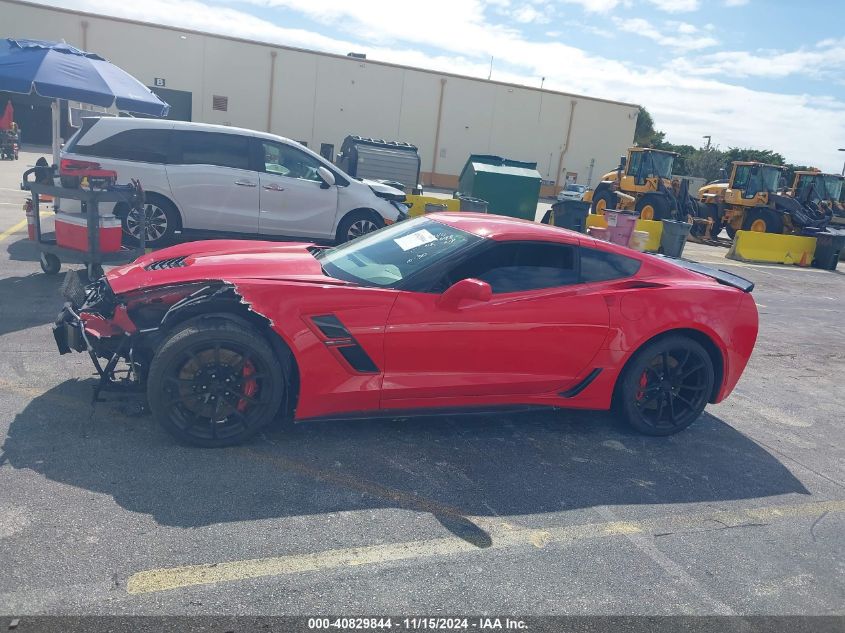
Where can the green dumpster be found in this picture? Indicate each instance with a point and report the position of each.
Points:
(510, 187)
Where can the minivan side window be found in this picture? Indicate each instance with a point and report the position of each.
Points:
(213, 148)
(284, 160)
(140, 145)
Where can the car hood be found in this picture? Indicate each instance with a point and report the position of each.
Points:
(220, 260)
(384, 191)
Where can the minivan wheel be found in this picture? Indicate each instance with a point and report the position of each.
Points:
(357, 224)
(162, 220)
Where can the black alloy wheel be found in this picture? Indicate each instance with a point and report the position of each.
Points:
(667, 385)
(215, 383)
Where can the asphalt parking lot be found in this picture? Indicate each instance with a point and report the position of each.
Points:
(554, 513)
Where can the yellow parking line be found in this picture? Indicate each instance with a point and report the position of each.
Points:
(207, 574)
(17, 227)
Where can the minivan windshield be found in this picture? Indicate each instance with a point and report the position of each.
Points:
(386, 257)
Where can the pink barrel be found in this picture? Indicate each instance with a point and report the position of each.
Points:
(620, 225)
(598, 232)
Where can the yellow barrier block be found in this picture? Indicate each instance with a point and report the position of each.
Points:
(418, 204)
(654, 228)
(594, 219)
(771, 248)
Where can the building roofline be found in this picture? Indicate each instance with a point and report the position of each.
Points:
(313, 52)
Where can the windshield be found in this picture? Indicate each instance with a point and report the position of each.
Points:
(818, 187)
(386, 257)
(658, 164)
(833, 184)
(754, 179)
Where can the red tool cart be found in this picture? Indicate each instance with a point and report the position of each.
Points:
(85, 237)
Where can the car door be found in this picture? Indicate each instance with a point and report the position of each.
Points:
(293, 199)
(212, 182)
(538, 332)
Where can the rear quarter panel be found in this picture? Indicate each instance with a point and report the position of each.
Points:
(728, 317)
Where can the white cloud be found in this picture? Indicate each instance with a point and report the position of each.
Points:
(735, 3)
(527, 14)
(685, 40)
(825, 59)
(684, 105)
(676, 6)
(596, 6)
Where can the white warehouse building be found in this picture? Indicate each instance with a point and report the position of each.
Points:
(320, 98)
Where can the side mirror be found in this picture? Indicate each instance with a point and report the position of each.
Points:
(326, 176)
(623, 160)
(465, 290)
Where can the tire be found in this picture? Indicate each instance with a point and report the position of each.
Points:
(195, 373)
(50, 264)
(358, 223)
(163, 221)
(763, 220)
(653, 206)
(708, 211)
(655, 406)
(603, 199)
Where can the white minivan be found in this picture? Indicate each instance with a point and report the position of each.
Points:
(213, 179)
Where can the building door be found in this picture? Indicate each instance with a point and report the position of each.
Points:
(33, 116)
(180, 101)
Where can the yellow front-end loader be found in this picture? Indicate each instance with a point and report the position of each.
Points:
(750, 201)
(643, 184)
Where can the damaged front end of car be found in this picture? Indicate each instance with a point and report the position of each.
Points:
(121, 332)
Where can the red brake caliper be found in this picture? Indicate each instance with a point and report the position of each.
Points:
(643, 385)
(250, 387)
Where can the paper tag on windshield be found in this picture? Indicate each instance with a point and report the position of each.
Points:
(412, 240)
(611, 219)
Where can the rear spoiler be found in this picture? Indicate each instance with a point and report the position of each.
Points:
(723, 277)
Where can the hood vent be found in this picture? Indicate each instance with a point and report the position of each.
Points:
(164, 264)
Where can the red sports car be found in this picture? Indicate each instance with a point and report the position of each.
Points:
(447, 312)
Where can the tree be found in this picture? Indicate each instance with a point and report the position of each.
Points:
(706, 163)
(644, 133)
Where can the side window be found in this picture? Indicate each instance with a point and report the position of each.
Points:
(519, 266)
(634, 164)
(599, 265)
(140, 145)
(285, 160)
(214, 148)
(741, 176)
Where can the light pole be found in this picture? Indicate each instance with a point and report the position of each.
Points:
(842, 149)
(707, 136)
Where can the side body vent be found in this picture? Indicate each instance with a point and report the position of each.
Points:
(339, 338)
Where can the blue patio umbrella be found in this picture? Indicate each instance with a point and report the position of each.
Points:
(60, 71)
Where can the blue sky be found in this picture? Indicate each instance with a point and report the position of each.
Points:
(751, 73)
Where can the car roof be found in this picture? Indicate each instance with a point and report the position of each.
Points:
(168, 124)
(499, 227)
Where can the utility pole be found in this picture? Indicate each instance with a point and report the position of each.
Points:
(707, 147)
(842, 149)
(490, 74)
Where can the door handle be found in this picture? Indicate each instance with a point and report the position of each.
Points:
(245, 183)
(274, 187)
